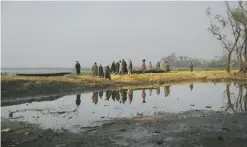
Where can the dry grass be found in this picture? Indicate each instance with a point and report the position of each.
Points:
(135, 78)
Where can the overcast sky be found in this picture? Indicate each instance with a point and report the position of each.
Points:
(56, 34)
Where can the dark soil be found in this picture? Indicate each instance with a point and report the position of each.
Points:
(188, 129)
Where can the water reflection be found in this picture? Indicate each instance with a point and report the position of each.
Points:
(101, 94)
(158, 90)
(130, 95)
(114, 95)
(123, 96)
(108, 95)
(95, 97)
(236, 102)
(191, 87)
(150, 91)
(78, 99)
(167, 91)
(129, 102)
(143, 96)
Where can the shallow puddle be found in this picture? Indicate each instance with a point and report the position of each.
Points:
(77, 112)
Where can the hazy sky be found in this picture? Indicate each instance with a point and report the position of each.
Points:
(56, 34)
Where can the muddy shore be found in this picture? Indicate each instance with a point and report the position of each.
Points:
(193, 128)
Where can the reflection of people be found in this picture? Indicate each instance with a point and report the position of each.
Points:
(95, 97)
(114, 95)
(100, 94)
(158, 90)
(150, 91)
(117, 95)
(167, 91)
(123, 96)
(130, 95)
(191, 87)
(78, 99)
(108, 95)
(143, 96)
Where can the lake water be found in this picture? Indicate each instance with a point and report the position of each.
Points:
(40, 70)
(74, 112)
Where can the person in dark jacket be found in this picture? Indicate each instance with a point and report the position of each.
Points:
(125, 70)
(158, 65)
(107, 73)
(117, 67)
(123, 67)
(113, 67)
(191, 66)
(78, 68)
(101, 71)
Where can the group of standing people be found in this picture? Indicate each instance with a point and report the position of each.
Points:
(121, 67)
(99, 71)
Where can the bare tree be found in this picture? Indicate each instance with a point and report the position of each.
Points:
(236, 23)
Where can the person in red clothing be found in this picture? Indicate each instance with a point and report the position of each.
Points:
(143, 96)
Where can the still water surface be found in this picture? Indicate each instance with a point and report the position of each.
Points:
(74, 112)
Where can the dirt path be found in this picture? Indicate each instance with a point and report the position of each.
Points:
(187, 129)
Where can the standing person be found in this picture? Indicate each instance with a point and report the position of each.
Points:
(113, 67)
(158, 65)
(125, 70)
(120, 67)
(191, 66)
(78, 68)
(143, 66)
(101, 72)
(95, 69)
(123, 66)
(167, 66)
(130, 67)
(107, 73)
(150, 65)
(117, 67)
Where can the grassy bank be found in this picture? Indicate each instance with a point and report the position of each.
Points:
(17, 86)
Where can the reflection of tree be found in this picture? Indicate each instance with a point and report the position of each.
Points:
(95, 97)
(167, 91)
(130, 95)
(158, 90)
(191, 87)
(150, 91)
(236, 103)
(101, 94)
